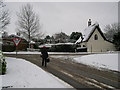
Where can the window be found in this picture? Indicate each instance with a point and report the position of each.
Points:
(96, 37)
(83, 45)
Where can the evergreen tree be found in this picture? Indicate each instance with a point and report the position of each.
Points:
(116, 40)
(75, 36)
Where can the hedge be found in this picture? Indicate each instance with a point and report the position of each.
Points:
(8, 48)
(63, 48)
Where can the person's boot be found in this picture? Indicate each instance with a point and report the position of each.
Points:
(45, 64)
(42, 63)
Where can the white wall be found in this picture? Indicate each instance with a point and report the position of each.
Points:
(99, 45)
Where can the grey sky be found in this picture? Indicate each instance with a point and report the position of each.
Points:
(67, 16)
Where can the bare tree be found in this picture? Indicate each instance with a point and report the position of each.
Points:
(4, 17)
(28, 23)
(111, 30)
(2, 4)
(113, 34)
(61, 37)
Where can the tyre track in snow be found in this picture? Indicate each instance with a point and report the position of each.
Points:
(77, 75)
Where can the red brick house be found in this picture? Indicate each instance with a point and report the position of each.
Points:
(8, 44)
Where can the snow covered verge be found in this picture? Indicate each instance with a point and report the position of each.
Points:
(23, 74)
(100, 61)
(103, 61)
(35, 52)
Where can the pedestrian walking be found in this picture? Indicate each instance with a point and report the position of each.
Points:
(44, 55)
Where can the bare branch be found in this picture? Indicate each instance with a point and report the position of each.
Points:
(4, 19)
(111, 29)
(28, 22)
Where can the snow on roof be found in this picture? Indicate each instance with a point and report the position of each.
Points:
(13, 35)
(16, 36)
(79, 40)
(32, 42)
(87, 32)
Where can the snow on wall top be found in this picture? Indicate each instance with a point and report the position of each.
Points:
(50, 45)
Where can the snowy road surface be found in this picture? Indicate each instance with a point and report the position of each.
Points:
(23, 74)
(76, 74)
(105, 60)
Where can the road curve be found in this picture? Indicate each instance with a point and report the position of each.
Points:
(76, 74)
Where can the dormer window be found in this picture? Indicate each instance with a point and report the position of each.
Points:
(84, 46)
(96, 37)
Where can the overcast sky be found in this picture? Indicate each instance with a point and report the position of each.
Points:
(67, 16)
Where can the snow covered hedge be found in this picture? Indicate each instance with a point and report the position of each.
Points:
(2, 64)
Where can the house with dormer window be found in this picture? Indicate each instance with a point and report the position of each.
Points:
(93, 40)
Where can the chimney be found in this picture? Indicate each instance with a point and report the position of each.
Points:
(89, 22)
(18, 33)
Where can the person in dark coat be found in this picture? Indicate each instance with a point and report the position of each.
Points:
(44, 55)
